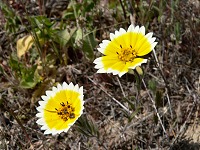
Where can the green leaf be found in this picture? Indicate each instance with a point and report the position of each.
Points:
(79, 36)
(30, 77)
(131, 104)
(86, 127)
(27, 84)
(15, 66)
(89, 43)
(42, 21)
(152, 85)
(177, 31)
(27, 76)
(89, 6)
(1, 69)
(67, 14)
(65, 36)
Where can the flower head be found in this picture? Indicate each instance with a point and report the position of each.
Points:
(124, 50)
(60, 108)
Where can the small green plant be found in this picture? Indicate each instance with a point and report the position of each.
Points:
(27, 76)
(87, 127)
(13, 21)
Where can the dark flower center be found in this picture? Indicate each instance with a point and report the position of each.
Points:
(66, 111)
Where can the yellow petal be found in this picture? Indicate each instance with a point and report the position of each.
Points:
(58, 106)
(120, 67)
(122, 50)
(108, 61)
(137, 62)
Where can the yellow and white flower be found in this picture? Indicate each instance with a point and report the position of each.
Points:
(60, 108)
(124, 50)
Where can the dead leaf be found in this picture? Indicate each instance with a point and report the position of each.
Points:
(24, 44)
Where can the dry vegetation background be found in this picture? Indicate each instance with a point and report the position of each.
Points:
(173, 84)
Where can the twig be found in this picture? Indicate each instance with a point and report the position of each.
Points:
(121, 87)
(103, 89)
(155, 56)
(132, 14)
(124, 11)
(159, 68)
(162, 112)
(141, 120)
(167, 89)
(154, 107)
(169, 102)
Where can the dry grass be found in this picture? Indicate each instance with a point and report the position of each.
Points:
(176, 77)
